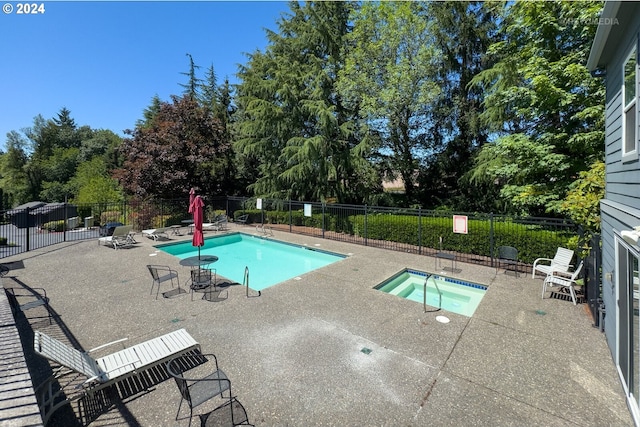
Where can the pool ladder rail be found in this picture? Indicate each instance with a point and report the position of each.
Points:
(245, 281)
(424, 294)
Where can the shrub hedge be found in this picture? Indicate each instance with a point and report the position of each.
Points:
(532, 241)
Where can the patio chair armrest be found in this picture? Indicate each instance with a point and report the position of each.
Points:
(115, 368)
(537, 261)
(42, 293)
(106, 345)
(163, 268)
(122, 365)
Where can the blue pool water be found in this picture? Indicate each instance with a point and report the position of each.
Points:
(269, 261)
(456, 296)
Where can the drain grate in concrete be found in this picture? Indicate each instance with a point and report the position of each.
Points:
(540, 312)
(365, 350)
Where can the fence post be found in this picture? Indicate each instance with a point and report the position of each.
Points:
(290, 218)
(491, 238)
(419, 231)
(365, 226)
(323, 223)
(64, 222)
(28, 228)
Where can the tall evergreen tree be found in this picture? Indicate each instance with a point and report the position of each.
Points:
(209, 97)
(462, 33)
(192, 87)
(149, 114)
(292, 119)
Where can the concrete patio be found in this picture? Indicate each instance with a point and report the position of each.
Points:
(294, 355)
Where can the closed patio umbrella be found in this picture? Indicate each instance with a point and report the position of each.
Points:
(197, 209)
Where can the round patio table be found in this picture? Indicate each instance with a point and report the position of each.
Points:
(198, 261)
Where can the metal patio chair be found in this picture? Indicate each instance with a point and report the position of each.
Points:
(508, 255)
(202, 279)
(162, 273)
(197, 389)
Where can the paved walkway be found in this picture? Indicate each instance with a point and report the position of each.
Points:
(294, 355)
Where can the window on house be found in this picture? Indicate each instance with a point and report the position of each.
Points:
(630, 114)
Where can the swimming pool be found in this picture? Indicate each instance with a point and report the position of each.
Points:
(456, 296)
(269, 261)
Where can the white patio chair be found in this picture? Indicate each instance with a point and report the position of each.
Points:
(561, 262)
(156, 233)
(554, 279)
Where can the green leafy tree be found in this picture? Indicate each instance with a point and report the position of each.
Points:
(93, 184)
(13, 176)
(57, 170)
(542, 103)
(102, 143)
(388, 72)
(582, 203)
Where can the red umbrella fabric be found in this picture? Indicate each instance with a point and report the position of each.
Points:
(197, 208)
(192, 195)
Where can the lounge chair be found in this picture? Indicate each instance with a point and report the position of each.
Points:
(156, 233)
(561, 262)
(108, 370)
(121, 237)
(242, 219)
(219, 224)
(563, 281)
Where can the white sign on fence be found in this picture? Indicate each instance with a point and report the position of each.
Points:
(307, 209)
(460, 224)
(258, 203)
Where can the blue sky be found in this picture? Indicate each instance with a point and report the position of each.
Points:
(104, 61)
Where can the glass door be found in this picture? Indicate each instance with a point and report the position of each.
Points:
(629, 320)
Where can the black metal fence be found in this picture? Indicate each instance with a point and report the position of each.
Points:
(418, 231)
(593, 280)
